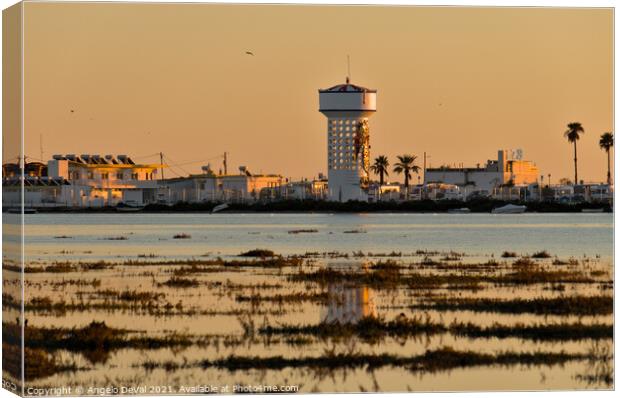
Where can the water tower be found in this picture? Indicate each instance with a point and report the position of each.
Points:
(347, 108)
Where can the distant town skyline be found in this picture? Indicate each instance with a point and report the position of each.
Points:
(195, 80)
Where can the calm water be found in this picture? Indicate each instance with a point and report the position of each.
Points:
(229, 234)
(87, 237)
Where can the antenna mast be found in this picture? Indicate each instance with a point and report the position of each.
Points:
(161, 164)
(41, 146)
(348, 68)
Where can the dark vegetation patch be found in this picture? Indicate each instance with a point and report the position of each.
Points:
(320, 297)
(258, 253)
(180, 282)
(566, 305)
(541, 254)
(38, 363)
(441, 359)
(303, 231)
(95, 341)
(374, 329)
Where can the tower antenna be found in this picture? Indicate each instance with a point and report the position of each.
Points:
(348, 69)
(41, 145)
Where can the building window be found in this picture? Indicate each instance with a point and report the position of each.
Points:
(90, 175)
(119, 175)
(104, 176)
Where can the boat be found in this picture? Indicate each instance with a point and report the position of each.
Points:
(509, 209)
(462, 210)
(599, 210)
(128, 206)
(219, 208)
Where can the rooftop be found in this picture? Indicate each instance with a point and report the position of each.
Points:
(347, 88)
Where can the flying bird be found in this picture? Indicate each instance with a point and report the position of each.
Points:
(249, 53)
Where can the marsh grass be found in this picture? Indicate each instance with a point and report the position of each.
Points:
(38, 363)
(258, 253)
(373, 329)
(180, 282)
(303, 231)
(95, 341)
(319, 297)
(541, 254)
(441, 359)
(565, 305)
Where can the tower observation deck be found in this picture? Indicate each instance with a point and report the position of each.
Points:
(347, 108)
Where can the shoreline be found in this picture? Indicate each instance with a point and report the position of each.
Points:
(314, 206)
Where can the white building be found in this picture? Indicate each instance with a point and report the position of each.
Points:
(209, 187)
(83, 181)
(347, 108)
(506, 170)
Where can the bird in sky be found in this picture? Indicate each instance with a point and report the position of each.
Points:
(249, 53)
(72, 111)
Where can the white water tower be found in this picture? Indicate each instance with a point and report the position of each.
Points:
(347, 108)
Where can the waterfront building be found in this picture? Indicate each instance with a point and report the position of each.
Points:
(230, 188)
(348, 108)
(508, 169)
(82, 181)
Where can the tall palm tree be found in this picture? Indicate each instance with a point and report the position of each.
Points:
(606, 142)
(380, 166)
(406, 165)
(572, 135)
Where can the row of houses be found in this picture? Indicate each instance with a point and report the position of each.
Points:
(97, 181)
(593, 192)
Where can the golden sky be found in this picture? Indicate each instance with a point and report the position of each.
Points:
(458, 83)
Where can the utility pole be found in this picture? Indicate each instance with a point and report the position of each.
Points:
(161, 164)
(225, 163)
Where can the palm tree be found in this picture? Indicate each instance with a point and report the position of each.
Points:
(572, 135)
(406, 165)
(606, 142)
(380, 166)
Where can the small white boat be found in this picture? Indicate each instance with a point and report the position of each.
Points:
(509, 209)
(219, 208)
(592, 210)
(462, 210)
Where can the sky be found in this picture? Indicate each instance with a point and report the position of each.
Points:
(456, 83)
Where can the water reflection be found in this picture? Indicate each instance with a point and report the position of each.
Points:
(348, 304)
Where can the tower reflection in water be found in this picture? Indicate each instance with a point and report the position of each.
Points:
(348, 304)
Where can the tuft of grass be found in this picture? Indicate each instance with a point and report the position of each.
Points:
(303, 231)
(284, 298)
(541, 254)
(507, 254)
(258, 253)
(116, 238)
(179, 282)
(182, 236)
